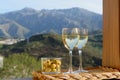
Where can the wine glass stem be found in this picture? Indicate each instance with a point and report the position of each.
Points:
(70, 65)
(80, 60)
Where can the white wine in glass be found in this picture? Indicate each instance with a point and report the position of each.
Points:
(70, 37)
(82, 43)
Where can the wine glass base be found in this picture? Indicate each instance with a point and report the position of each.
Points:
(79, 71)
(69, 73)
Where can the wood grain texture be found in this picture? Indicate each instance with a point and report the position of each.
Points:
(98, 73)
(111, 33)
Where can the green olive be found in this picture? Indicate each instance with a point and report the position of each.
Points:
(53, 66)
(47, 70)
(54, 70)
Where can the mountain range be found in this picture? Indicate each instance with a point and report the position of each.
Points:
(27, 22)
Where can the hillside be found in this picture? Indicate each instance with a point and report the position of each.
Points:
(9, 29)
(30, 21)
(50, 45)
(24, 57)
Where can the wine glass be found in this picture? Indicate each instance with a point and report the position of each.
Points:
(70, 37)
(82, 43)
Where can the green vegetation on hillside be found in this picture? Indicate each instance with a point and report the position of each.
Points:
(19, 65)
(24, 57)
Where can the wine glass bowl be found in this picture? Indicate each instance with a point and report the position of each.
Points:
(83, 38)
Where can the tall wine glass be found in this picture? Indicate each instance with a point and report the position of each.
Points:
(70, 37)
(82, 43)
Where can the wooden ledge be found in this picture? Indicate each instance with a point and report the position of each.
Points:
(93, 74)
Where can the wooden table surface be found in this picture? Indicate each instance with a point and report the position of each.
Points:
(101, 73)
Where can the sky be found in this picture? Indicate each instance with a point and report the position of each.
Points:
(13, 5)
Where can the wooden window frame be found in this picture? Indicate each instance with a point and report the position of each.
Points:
(111, 33)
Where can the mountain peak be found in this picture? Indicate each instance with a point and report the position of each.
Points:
(77, 8)
(45, 21)
(28, 10)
